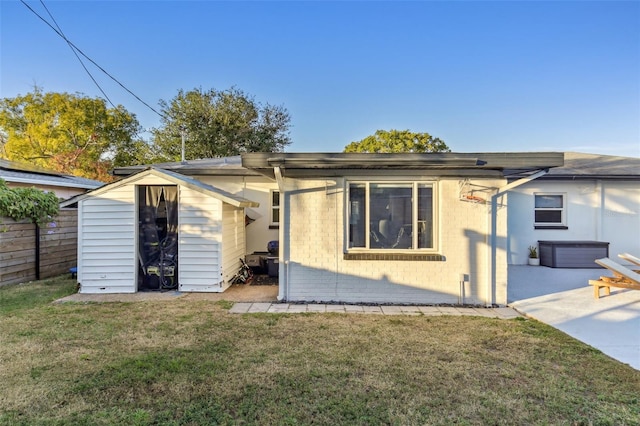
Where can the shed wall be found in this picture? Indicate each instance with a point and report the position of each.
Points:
(107, 242)
(254, 188)
(200, 242)
(108, 239)
(233, 241)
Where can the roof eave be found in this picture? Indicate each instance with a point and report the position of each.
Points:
(589, 177)
(49, 183)
(337, 164)
(201, 171)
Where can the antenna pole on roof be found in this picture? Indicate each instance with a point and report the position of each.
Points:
(182, 133)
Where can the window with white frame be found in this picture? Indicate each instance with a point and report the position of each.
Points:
(275, 208)
(550, 210)
(391, 216)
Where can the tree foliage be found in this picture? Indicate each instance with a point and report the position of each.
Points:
(27, 203)
(219, 124)
(391, 141)
(69, 133)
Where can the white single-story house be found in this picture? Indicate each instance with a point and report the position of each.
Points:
(24, 175)
(354, 228)
(396, 228)
(593, 199)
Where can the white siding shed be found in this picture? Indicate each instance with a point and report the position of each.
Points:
(211, 234)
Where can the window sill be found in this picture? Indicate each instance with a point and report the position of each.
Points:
(560, 227)
(416, 257)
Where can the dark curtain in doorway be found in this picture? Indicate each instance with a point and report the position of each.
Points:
(158, 221)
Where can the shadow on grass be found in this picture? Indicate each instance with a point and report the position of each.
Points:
(18, 297)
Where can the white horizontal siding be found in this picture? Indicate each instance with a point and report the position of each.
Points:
(233, 241)
(100, 225)
(101, 255)
(116, 232)
(107, 242)
(199, 234)
(96, 211)
(107, 289)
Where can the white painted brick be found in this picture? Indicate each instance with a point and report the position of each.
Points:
(318, 271)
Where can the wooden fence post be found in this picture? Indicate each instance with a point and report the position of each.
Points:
(37, 244)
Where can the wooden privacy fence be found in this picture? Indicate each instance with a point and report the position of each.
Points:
(29, 252)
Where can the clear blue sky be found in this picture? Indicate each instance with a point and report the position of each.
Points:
(482, 76)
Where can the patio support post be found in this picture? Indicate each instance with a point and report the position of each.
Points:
(283, 252)
(494, 225)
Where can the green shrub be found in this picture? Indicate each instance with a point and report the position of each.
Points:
(27, 203)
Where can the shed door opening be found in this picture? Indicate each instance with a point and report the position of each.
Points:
(158, 237)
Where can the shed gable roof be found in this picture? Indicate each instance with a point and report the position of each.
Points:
(174, 178)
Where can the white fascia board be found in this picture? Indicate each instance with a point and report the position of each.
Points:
(49, 183)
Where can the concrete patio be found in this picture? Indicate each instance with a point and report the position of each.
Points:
(563, 299)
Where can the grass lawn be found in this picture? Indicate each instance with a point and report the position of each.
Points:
(191, 362)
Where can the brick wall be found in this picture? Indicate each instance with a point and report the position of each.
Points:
(318, 271)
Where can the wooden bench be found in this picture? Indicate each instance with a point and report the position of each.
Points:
(630, 258)
(623, 277)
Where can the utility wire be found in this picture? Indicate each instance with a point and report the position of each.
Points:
(91, 60)
(76, 53)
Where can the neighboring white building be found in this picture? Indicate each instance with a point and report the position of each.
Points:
(24, 175)
(591, 198)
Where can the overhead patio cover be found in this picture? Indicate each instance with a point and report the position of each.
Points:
(336, 164)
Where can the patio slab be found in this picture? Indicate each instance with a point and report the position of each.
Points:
(610, 324)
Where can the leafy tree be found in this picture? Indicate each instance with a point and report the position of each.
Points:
(219, 124)
(384, 141)
(69, 133)
(27, 203)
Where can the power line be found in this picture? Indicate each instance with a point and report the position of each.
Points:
(76, 53)
(89, 59)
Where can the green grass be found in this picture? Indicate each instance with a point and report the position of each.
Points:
(19, 297)
(183, 362)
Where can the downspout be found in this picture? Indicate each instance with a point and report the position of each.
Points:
(494, 225)
(599, 210)
(283, 253)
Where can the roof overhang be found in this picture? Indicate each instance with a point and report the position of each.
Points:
(15, 172)
(223, 166)
(171, 177)
(48, 182)
(441, 164)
